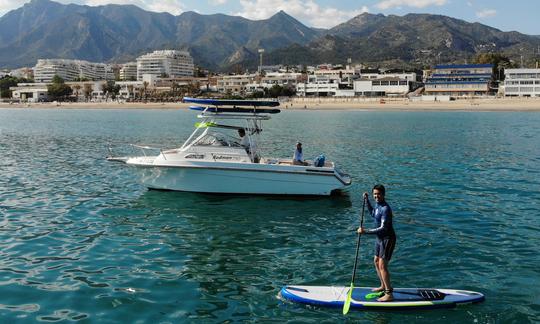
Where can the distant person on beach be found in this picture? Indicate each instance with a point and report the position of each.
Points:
(298, 158)
(386, 239)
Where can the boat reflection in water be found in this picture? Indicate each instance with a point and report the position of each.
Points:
(214, 160)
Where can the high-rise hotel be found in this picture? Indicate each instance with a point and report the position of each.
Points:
(166, 63)
(71, 70)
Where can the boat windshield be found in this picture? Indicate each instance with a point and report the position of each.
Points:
(217, 139)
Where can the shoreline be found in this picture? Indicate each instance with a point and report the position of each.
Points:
(307, 104)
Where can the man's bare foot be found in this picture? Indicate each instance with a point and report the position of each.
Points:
(386, 298)
(379, 289)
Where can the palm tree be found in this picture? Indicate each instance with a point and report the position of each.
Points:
(77, 88)
(145, 88)
(87, 90)
(105, 90)
(130, 90)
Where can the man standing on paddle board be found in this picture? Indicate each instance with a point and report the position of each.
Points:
(386, 239)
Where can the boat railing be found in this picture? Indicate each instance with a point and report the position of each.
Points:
(129, 153)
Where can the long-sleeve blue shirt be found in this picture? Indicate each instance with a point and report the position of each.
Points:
(382, 214)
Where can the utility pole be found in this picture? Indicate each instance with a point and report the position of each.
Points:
(261, 51)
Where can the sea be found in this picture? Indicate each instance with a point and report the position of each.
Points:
(82, 241)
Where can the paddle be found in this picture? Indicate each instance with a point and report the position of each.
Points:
(347, 303)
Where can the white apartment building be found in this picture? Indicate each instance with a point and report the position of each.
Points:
(166, 63)
(71, 70)
(328, 81)
(128, 71)
(522, 82)
(318, 86)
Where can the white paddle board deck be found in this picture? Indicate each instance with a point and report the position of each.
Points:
(363, 298)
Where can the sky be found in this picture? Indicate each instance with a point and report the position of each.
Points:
(516, 15)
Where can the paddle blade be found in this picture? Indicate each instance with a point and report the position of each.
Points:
(347, 304)
(205, 125)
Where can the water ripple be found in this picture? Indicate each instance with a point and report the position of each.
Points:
(81, 240)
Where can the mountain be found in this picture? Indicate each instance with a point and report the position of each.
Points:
(117, 33)
(413, 40)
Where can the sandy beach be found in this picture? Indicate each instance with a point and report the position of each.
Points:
(386, 104)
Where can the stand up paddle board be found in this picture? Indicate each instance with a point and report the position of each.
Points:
(364, 298)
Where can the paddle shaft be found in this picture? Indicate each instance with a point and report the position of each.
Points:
(347, 303)
(358, 243)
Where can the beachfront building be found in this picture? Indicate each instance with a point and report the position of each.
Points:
(319, 86)
(29, 92)
(328, 80)
(466, 80)
(373, 83)
(166, 64)
(128, 71)
(235, 84)
(522, 83)
(286, 80)
(71, 70)
(383, 87)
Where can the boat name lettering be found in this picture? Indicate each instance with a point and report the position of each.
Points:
(223, 157)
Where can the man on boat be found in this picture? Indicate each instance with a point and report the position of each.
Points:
(244, 140)
(386, 239)
(249, 144)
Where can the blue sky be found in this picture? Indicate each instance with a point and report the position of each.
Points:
(518, 15)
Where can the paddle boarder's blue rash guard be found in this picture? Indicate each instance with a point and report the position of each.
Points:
(382, 213)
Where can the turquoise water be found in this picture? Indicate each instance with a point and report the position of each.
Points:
(81, 240)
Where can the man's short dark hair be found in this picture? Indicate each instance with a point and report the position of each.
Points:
(381, 188)
(242, 131)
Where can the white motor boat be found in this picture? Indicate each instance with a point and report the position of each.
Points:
(214, 160)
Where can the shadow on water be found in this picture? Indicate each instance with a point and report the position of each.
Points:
(240, 250)
(189, 201)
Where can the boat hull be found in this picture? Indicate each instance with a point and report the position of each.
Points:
(227, 179)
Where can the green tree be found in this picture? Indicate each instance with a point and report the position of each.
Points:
(58, 90)
(279, 91)
(110, 89)
(499, 61)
